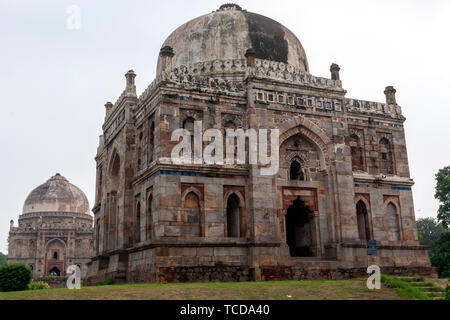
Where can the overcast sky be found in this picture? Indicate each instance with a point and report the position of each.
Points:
(54, 82)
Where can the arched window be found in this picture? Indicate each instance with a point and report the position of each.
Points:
(151, 141)
(363, 221)
(55, 255)
(233, 217)
(115, 166)
(149, 217)
(357, 153)
(112, 208)
(392, 222)
(188, 125)
(138, 222)
(100, 183)
(230, 125)
(386, 159)
(192, 212)
(115, 173)
(97, 237)
(296, 171)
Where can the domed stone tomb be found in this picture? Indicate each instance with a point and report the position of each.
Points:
(54, 230)
(343, 179)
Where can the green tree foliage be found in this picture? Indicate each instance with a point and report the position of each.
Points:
(441, 259)
(3, 258)
(14, 277)
(443, 195)
(429, 231)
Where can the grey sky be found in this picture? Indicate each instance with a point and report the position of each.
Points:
(54, 82)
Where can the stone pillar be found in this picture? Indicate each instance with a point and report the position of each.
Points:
(131, 86)
(250, 54)
(334, 69)
(318, 248)
(166, 55)
(390, 95)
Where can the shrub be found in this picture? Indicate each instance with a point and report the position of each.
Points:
(14, 277)
(38, 285)
(107, 282)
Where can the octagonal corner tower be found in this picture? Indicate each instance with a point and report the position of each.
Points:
(226, 34)
(54, 230)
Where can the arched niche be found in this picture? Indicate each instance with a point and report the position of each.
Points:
(235, 215)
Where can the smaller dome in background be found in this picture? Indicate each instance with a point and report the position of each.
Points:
(56, 195)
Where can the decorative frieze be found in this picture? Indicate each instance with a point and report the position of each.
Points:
(375, 108)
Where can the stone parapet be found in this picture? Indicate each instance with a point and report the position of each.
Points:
(373, 108)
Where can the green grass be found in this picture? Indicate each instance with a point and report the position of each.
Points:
(422, 284)
(355, 289)
(413, 290)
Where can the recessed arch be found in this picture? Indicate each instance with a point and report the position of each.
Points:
(149, 220)
(235, 215)
(138, 222)
(296, 172)
(313, 133)
(393, 225)
(188, 124)
(193, 210)
(55, 256)
(386, 158)
(356, 151)
(362, 215)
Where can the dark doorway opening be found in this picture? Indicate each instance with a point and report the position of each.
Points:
(299, 229)
(233, 217)
(55, 272)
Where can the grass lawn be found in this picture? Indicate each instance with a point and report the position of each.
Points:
(285, 290)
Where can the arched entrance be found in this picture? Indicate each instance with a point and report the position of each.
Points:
(55, 258)
(300, 230)
(55, 272)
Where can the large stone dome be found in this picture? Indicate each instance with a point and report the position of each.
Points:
(228, 33)
(56, 195)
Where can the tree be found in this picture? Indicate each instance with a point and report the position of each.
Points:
(441, 259)
(443, 195)
(3, 258)
(429, 231)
